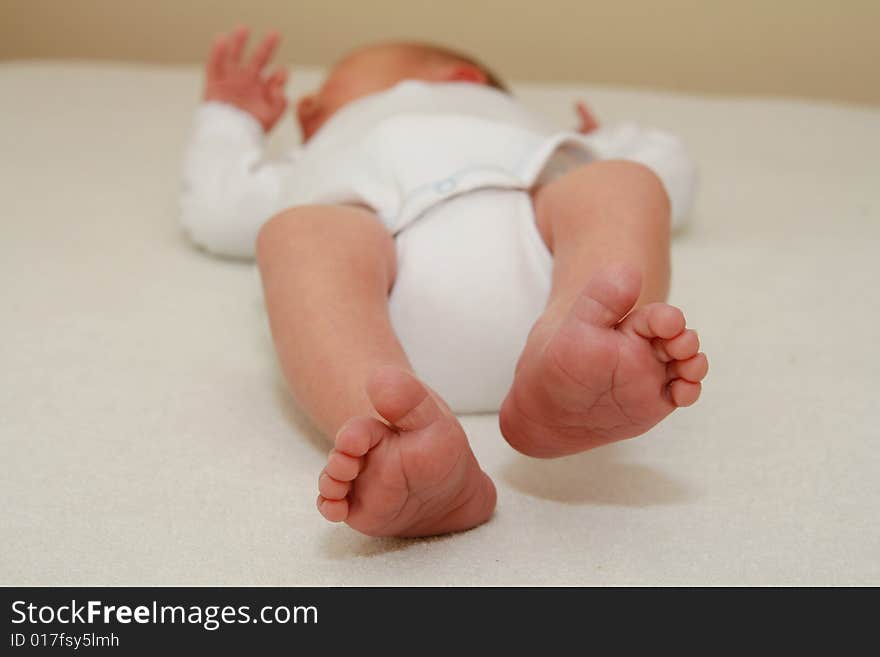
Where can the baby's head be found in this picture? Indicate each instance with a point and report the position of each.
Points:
(376, 68)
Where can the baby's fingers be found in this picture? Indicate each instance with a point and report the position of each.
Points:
(278, 79)
(588, 121)
(264, 53)
(237, 41)
(275, 90)
(215, 65)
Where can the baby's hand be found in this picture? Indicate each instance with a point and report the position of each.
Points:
(588, 121)
(229, 80)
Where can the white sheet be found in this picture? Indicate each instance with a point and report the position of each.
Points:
(146, 438)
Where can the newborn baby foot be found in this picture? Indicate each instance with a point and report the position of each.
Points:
(601, 375)
(416, 477)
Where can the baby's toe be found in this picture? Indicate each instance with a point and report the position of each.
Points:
(359, 435)
(665, 321)
(683, 346)
(331, 488)
(659, 345)
(333, 510)
(693, 369)
(684, 393)
(656, 320)
(342, 467)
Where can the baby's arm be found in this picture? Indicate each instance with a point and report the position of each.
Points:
(228, 188)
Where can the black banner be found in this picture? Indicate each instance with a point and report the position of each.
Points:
(390, 620)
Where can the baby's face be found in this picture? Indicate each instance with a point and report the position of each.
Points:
(360, 74)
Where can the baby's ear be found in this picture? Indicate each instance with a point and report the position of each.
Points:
(464, 73)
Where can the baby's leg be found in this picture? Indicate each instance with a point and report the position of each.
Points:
(401, 464)
(594, 370)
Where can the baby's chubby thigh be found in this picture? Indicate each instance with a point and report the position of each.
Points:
(473, 275)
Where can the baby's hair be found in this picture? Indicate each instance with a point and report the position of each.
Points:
(447, 54)
(430, 51)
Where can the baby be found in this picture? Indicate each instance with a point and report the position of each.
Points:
(435, 247)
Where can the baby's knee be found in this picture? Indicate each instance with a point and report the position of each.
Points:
(312, 225)
(633, 177)
(298, 223)
(302, 233)
(607, 182)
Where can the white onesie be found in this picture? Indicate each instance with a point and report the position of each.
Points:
(447, 168)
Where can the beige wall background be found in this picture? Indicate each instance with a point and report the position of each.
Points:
(808, 48)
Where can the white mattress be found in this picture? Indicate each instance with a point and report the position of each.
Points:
(146, 437)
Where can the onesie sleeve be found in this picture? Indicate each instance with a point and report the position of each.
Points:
(229, 189)
(662, 152)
